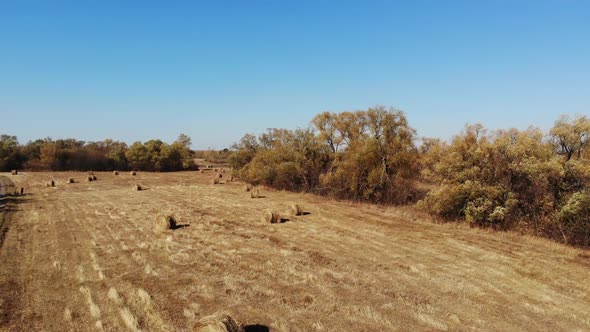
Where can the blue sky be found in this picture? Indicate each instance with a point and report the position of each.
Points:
(135, 70)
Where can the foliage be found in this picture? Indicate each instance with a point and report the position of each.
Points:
(71, 154)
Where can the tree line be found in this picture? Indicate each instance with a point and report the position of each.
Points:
(72, 154)
(525, 180)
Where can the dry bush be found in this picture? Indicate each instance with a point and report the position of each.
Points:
(217, 323)
(71, 180)
(164, 223)
(137, 187)
(271, 217)
(14, 172)
(115, 172)
(296, 210)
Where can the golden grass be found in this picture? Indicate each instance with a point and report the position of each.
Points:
(86, 257)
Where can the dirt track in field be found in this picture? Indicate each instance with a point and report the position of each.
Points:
(85, 257)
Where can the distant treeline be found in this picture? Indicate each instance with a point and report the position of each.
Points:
(71, 154)
(524, 180)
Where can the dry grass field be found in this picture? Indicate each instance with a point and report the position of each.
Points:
(85, 257)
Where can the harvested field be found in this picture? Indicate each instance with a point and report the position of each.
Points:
(85, 257)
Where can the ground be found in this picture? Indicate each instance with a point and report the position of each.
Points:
(85, 257)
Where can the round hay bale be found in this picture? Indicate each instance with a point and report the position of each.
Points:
(255, 193)
(137, 187)
(14, 172)
(133, 173)
(247, 188)
(218, 175)
(115, 172)
(231, 178)
(71, 180)
(51, 184)
(215, 180)
(296, 210)
(94, 178)
(164, 223)
(89, 178)
(271, 217)
(201, 171)
(220, 322)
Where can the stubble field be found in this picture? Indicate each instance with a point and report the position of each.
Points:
(85, 257)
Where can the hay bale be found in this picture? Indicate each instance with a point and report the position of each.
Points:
(94, 178)
(71, 180)
(51, 184)
(215, 180)
(218, 175)
(223, 170)
(201, 171)
(296, 210)
(271, 217)
(14, 172)
(137, 187)
(164, 223)
(22, 191)
(89, 178)
(220, 322)
(115, 172)
(255, 193)
(231, 178)
(133, 173)
(247, 188)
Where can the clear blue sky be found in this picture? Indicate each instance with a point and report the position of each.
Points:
(134, 70)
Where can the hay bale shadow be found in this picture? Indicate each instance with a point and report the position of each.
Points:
(283, 220)
(178, 226)
(256, 328)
